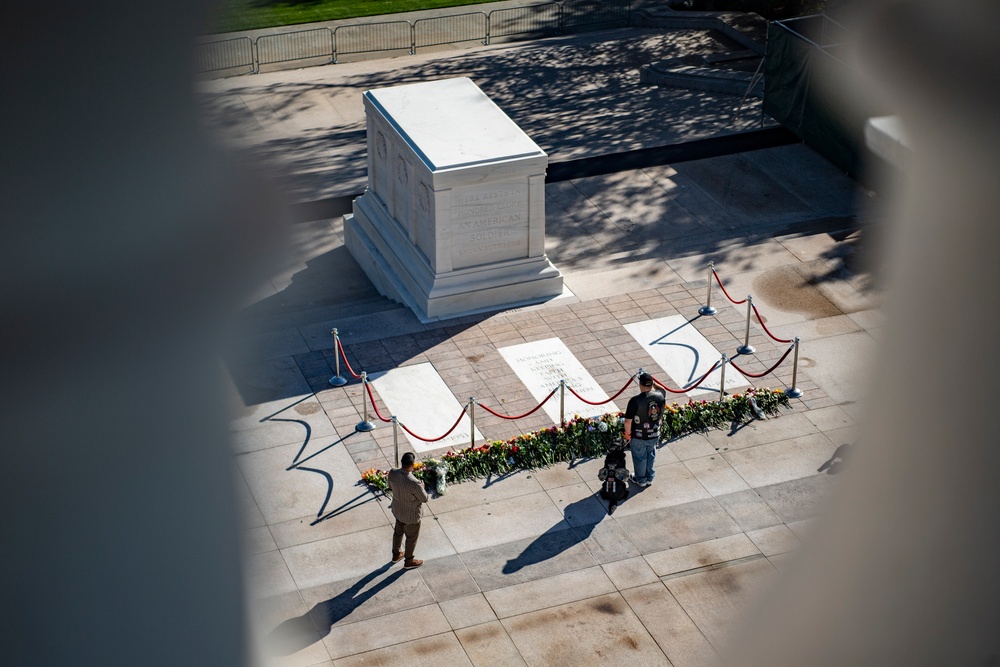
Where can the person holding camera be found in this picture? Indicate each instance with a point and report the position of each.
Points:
(408, 498)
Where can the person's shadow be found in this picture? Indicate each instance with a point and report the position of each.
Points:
(296, 634)
(578, 523)
(835, 463)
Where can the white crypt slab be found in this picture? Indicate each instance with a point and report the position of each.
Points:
(541, 364)
(684, 354)
(421, 400)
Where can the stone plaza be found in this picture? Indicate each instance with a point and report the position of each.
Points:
(528, 569)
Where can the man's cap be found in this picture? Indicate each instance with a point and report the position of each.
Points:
(645, 379)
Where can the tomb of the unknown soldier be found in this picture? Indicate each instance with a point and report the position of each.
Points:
(453, 219)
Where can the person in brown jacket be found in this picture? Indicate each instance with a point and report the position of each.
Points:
(408, 498)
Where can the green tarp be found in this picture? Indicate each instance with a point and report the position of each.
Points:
(793, 95)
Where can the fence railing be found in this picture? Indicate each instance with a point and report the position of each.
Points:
(297, 45)
(225, 54)
(533, 19)
(451, 29)
(231, 55)
(369, 37)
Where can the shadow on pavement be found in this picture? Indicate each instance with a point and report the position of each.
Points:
(297, 633)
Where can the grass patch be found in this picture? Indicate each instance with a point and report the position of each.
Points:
(233, 15)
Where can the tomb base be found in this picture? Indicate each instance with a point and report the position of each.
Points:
(399, 271)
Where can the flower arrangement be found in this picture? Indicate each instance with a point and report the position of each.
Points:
(376, 479)
(580, 437)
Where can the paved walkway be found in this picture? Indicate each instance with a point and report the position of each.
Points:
(529, 569)
(577, 96)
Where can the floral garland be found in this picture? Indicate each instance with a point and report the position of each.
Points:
(581, 437)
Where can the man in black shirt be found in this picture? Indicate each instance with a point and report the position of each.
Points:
(642, 429)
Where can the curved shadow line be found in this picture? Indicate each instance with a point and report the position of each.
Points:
(296, 464)
(329, 487)
(697, 358)
(304, 442)
(675, 330)
(349, 505)
(291, 405)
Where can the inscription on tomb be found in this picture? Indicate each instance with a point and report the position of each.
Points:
(490, 224)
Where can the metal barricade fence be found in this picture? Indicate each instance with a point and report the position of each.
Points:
(580, 13)
(549, 17)
(224, 54)
(367, 37)
(449, 29)
(298, 45)
(535, 19)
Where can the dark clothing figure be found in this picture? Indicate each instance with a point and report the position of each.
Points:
(613, 477)
(642, 428)
(408, 498)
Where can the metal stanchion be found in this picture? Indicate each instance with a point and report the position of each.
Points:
(707, 308)
(395, 440)
(336, 380)
(794, 391)
(747, 348)
(472, 421)
(365, 425)
(562, 402)
(722, 378)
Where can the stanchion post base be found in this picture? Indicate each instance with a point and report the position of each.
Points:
(707, 310)
(746, 349)
(338, 381)
(794, 392)
(364, 427)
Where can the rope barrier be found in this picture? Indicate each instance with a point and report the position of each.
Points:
(694, 386)
(343, 354)
(719, 280)
(764, 326)
(768, 371)
(529, 412)
(441, 437)
(620, 392)
(375, 407)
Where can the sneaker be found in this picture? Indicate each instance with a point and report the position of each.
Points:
(396, 557)
(645, 484)
(633, 480)
(412, 563)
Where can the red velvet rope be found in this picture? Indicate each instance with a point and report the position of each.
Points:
(375, 407)
(764, 326)
(694, 386)
(346, 362)
(769, 370)
(441, 437)
(529, 412)
(718, 280)
(620, 392)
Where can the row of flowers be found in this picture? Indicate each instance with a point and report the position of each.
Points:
(581, 437)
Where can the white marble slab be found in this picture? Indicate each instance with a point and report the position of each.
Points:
(419, 398)
(452, 123)
(684, 354)
(541, 364)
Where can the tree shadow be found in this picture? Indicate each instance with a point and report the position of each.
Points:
(297, 633)
(577, 98)
(561, 536)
